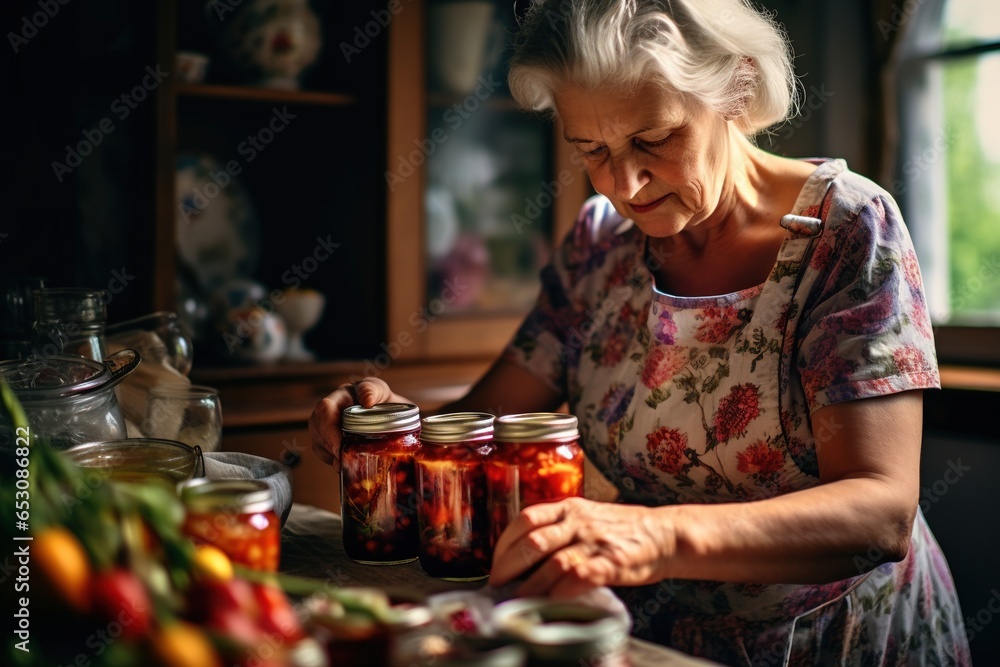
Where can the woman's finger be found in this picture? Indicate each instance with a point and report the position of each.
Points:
(371, 391)
(514, 552)
(323, 455)
(566, 567)
(324, 422)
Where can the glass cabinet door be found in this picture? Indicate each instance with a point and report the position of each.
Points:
(496, 186)
(485, 236)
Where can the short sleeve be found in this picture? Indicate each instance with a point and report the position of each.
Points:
(547, 344)
(865, 329)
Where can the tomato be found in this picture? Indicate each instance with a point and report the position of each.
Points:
(208, 599)
(238, 626)
(277, 614)
(119, 596)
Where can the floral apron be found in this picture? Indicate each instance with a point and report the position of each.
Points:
(706, 423)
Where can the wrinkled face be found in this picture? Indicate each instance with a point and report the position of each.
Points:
(662, 162)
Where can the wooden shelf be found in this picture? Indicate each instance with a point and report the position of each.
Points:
(255, 94)
(970, 378)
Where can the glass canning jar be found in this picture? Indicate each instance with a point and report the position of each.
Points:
(536, 459)
(451, 492)
(235, 515)
(70, 321)
(378, 490)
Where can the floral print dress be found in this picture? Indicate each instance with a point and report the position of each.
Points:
(711, 399)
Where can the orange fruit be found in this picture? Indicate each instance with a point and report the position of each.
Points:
(181, 644)
(63, 567)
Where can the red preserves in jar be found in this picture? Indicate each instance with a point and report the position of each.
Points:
(378, 490)
(537, 459)
(451, 485)
(235, 515)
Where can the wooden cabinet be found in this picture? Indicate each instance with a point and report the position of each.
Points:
(306, 162)
(369, 113)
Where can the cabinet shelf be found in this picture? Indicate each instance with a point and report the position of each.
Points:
(254, 94)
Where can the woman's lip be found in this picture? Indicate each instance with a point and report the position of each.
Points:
(645, 208)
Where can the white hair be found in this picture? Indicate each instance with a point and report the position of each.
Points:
(724, 54)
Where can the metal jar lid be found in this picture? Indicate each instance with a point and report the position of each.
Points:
(70, 304)
(536, 427)
(204, 495)
(456, 427)
(381, 418)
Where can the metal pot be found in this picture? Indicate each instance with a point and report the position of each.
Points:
(68, 400)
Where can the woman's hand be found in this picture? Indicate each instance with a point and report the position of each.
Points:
(580, 544)
(324, 423)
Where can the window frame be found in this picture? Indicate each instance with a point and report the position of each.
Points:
(961, 342)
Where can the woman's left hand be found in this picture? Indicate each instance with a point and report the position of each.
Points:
(582, 544)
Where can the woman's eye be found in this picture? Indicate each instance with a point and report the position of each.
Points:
(653, 144)
(596, 152)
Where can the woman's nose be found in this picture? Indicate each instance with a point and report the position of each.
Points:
(629, 177)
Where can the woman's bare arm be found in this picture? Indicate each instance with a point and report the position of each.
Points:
(507, 389)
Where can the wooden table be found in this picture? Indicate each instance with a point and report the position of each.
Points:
(312, 547)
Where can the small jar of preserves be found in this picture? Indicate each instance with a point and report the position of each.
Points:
(235, 515)
(378, 488)
(536, 459)
(451, 488)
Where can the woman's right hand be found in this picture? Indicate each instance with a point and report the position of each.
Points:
(324, 423)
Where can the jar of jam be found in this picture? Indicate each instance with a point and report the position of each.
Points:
(451, 489)
(536, 459)
(378, 488)
(235, 515)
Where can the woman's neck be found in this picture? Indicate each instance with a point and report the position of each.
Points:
(737, 246)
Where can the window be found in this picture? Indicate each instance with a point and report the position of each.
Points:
(948, 168)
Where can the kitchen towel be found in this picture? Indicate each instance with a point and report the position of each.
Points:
(238, 465)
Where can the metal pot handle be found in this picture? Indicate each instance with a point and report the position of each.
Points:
(120, 364)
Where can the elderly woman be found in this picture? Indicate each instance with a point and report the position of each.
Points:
(745, 341)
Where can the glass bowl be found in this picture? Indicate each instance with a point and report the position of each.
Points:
(140, 460)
